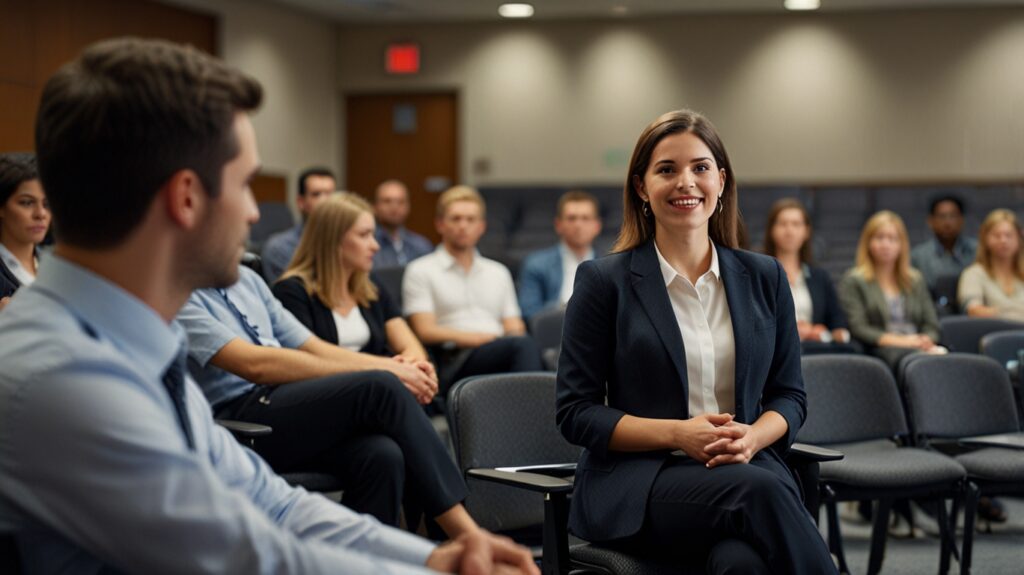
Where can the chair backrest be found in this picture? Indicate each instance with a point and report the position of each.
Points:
(963, 334)
(1003, 346)
(506, 420)
(546, 328)
(390, 279)
(959, 395)
(850, 398)
(274, 217)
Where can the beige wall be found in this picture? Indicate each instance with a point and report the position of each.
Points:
(889, 96)
(293, 55)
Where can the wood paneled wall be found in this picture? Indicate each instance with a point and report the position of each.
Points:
(38, 36)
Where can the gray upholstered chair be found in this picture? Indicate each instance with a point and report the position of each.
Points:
(963, 334)
(967, 398)
(853, 406)
(546, 329)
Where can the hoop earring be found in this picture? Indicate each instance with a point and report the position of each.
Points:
(645, 209)
(720, 208)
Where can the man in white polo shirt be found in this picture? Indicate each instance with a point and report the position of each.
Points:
(464, 302)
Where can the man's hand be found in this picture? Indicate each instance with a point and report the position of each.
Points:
(482, 553)
(3, 302)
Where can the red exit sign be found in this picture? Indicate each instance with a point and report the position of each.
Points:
(403, 58)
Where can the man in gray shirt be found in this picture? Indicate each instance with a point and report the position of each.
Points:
(948, 252)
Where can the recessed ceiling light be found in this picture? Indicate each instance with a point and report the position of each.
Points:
(515, 10)
(802, 4)
(620, 10)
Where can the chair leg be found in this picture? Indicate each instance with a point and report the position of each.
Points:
(835, 538)
(945, 537)
(556, 537)
(970, 508)
(879, 534)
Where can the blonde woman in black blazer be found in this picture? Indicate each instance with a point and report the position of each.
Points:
(655, 476)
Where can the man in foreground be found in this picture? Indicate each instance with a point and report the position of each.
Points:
(111, 461)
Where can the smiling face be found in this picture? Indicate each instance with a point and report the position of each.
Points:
(682, 184)
(25, 218)
(358, 245)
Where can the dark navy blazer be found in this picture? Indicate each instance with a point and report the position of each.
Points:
(8, 281)
(825, 307)
(620, 335)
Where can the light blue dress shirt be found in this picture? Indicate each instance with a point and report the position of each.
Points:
(95, 474)
(210, 322)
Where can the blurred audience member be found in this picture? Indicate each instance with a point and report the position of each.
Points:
(314, 186)
(787, 237)
(546, 277)
(24, 221)
(398, 244)
(948, 252)
(328, 286)
(457, 298)
(994, 284)
(886, 301)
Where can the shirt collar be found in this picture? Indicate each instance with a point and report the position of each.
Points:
(568, 254)
(446, 259)
(116, 315)
(669, 273)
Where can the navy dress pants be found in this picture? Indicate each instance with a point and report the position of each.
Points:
(740, 518)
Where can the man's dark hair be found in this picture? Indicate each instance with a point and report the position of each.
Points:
(314, 171)
(934, 205)
(16, 168)
(116, 123)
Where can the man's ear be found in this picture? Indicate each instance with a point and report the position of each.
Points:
(185, 198)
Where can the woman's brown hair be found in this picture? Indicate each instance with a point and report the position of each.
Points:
(984, 257)
(638, 228)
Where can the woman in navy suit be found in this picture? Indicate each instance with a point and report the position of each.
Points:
(680, 374)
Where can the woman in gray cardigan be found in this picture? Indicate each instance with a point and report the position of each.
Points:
(887, 303)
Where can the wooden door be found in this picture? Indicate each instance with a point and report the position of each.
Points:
(408, 137)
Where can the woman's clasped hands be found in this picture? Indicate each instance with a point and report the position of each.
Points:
(716, 439)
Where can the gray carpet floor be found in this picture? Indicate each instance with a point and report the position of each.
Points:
(998, 553)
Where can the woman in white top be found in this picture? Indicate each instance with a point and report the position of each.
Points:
(994, 284)
(328, 287)
(24, 222)
(787, 237)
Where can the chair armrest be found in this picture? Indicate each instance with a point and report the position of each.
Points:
(808, 452)
(1010, 440)
(244, 429)
(523, 480)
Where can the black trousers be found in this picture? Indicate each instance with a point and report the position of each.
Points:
(503, 355)
(366, 429)
(741, 518)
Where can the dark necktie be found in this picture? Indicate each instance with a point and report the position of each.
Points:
(250, 330)
(174, 381)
